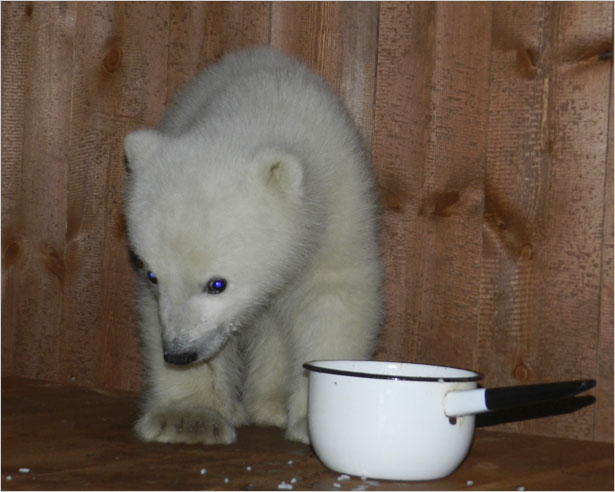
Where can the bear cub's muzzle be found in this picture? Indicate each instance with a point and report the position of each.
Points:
(180, 358)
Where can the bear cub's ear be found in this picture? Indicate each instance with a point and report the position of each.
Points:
(281, 171)
(140, 147)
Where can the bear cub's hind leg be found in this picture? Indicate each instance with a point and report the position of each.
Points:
(266, 385)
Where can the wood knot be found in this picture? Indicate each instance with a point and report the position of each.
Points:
(54, 263)
(390, 200)
(12, 251)
(527, 252)
(119, 225)
(392, 195)
(521, 372)
(526, 62)
(112, 59)
(443, 202)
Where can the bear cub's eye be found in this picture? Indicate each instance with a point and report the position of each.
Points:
(215, 286)
(152, 278)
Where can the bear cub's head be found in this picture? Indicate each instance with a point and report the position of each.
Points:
(220, 230)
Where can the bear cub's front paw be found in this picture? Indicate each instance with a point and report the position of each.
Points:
(188, 426)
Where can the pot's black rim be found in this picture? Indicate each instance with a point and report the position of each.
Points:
(392, 377)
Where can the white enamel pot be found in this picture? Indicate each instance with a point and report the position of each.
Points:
(401, 421)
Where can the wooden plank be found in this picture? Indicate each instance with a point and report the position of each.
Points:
(513, 186)
(120, 81)
(405, 41)
(201, 32)
(547, 139)
(71, 438)
(339, 41)
(15, 35)
(93, 97)
(432, 175)
(145, 50)
(16, 31)
(453, 187)
(603, 427)
(35, 226)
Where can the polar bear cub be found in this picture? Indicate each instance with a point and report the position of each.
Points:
(253, 211)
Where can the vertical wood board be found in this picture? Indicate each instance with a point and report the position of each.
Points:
(200, 32)
(604, 405)
(339, 41)
(36, 224)
(401, 122)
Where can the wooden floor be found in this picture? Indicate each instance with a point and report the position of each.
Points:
(71, 438)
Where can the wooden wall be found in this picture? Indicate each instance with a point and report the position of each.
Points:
(491, 130)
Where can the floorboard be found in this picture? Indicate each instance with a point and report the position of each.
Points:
(74, 438)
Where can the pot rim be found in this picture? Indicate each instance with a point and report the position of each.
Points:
(310, 366)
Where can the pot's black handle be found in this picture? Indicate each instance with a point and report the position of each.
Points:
(516, 396)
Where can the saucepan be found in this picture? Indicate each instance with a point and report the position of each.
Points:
(403, 421)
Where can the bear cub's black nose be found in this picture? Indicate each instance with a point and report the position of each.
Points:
(180, 359)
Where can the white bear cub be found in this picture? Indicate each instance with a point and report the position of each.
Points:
(253, 210)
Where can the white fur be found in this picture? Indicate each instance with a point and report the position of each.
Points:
(256, 175)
